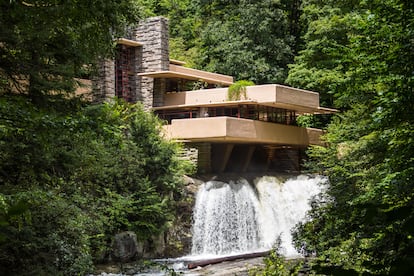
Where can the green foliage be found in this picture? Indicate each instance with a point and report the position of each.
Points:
(50, 239)
(85, 172)
(277, 265)
(247, 39)
(364, 222)
(314, 121)
(237, 91)
(44, 44)
(9, 214)
(321, 65)
(179, 51)
(252, 40)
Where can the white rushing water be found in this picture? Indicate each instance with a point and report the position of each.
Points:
(237, 217)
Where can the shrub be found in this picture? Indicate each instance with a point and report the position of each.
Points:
(237, 91)
(85, 172)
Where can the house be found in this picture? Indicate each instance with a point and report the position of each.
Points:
(254, 133)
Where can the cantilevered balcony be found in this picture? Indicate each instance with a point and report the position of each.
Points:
(235, 130)
(272, 95)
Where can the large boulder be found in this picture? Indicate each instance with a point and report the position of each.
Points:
(125, 247)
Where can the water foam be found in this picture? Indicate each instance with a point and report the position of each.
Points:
(237, 217)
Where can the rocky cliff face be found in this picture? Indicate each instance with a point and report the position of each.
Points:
(174, 242)
(178, 237)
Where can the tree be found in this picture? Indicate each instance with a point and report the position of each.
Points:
(73, 174)
(364, 222)
(320, 66)
(45, 44)
(85, 173)
(246, 39)
(252, 40)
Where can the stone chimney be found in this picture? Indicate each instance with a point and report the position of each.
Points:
(153, 33)
(152, 56)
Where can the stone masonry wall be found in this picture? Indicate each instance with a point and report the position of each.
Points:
(135, 79)
(104, 83)
(153, 33)
(204, 158)
(151, 57)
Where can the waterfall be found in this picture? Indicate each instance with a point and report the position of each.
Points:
(239, 217)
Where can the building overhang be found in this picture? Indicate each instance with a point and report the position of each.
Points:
(212, 104)
(129, 42)
(235, 130)
(180, 72)
(272, 95)
(177, 62)
(326, 110)
(300, 110)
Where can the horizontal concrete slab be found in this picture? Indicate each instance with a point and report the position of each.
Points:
(235, 130)
(274, 95)
(180, 72)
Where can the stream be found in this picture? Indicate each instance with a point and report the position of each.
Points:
(237, 217)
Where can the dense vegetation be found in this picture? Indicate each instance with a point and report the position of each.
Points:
(72, 174)
(252, 40)
(359, 55)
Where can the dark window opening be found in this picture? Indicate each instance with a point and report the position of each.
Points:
(252, 112)
(125, 73)
(169, 115)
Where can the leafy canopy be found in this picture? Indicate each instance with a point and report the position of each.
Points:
(45, 44)
(83, 173)
(360, 53)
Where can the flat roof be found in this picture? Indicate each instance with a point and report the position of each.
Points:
(175, 75)
(180, 72)
(129, 42)
(177, 62)
(212, 104)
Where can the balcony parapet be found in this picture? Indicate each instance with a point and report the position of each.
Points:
(235, 130)
(274, 95)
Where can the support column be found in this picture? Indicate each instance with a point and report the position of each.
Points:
(204, 158)
(104, 82)
(220, 156)
(226, 156)
(249, 155)
(270, 155)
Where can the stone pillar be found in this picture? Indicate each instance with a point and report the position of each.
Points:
(104, 83)
(136, 81)
(204, 157)
(153, 56)
(153, 34)
(160, 87)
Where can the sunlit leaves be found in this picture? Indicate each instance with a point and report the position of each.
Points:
(86, 172)
(369, 158)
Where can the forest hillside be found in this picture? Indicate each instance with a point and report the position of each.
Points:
(72, 174)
